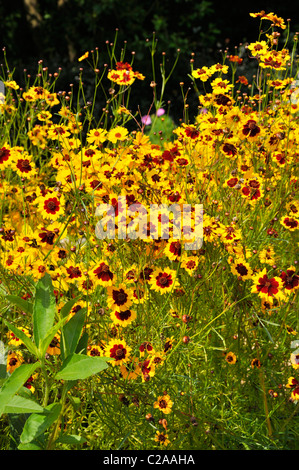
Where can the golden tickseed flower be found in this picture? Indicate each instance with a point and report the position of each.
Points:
(117, 133)
(83, 57)
(162, 438)
(11, 84)
(14, 360)
(118, 350)
(119, 298)
(54, 346)
(164, 404)
(14, 340)
(267, 288)
(231, 358)
(163, 280)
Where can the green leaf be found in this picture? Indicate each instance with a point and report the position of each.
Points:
(71, 333)
(22, 405)
(83, 343)
(72, 439)
(37, 424)
(21, 335)
(44, 309)
(21, 303)
(29, 446)
(52, 332)
(14, 382)
(80, 366)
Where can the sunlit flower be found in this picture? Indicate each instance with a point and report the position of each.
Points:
(162, 438)
(118, 350)
(267, 288)
(164, 403)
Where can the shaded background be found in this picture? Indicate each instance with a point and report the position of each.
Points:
(60, 31)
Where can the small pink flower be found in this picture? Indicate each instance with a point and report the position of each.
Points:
(146, 120)
(160, 112)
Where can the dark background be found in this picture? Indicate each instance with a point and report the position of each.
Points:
(60, 31)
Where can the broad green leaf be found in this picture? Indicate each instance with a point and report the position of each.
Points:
(52, 332)
(14, 382)
(44, 309)
(83, 343)
(21, 335)
(22, 405)
(71, 439)
(29, 446)
(21, 303)
(38, 423)
(71, 333)
(80, 366)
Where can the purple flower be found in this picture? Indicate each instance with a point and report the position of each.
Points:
(146, 120)
(160, 112)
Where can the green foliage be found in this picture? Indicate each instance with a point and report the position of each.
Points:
(76, 366)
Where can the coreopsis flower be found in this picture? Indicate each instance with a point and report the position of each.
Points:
(157, 358)
(51, 206)
(173, 249)
(290, 279)
(84, 56)
(54, 346)
(221, 86)
(162, 438)
(14, 340)
(255, 363)
(203, 73)
(189, 263)
(267, 256)
(95, 350)
(231, 358)
(11, 84)
(163, 280)
(290, 223)
(14, 360)
(44, 116)
(101, 273)
(275, 20)
(122, 76)
(164, 403)
(259, 48)
(119, 298)
(123, 317)
(46, 235)
(251, 130)
(293, 383)
(241, 269)
(267, 288)
(131, 370)
(96, 136)
(145, 347)
(58, 132)
(5, 154)
(117, 133)
(118, 350)
(73, 271)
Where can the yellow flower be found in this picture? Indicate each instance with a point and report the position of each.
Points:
(11, 84)
(84, 56)
(14, 360)
(118, 133)
(164, 404)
